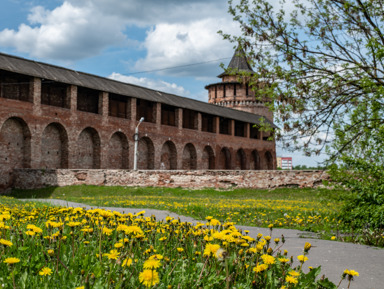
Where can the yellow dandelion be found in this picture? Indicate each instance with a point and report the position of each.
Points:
(45, 271)
(291, 280)
(114, 254)
(211, 249)
(118, 245)
(268, 259)
(294, 273)
(11, 260)
(127, 262)
(149, 278)
(307, 246)
(260, 268)
(302, 258)
(151, 264)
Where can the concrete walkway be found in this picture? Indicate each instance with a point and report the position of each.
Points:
(334, 257)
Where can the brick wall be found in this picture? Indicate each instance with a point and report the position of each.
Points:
(37, 178)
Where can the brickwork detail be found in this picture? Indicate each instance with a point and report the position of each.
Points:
(118, 151)
(225, 159)
(15, 148)
(196, 179)
(88, 146)
(54, 147)
(208, 160)
(189, 157)
(146, 154)
(168, 156)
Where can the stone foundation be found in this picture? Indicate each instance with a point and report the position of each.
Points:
(196, 179)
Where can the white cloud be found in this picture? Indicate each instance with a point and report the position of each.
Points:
(179, 32)
(159, 85)
(151, 12)
(170, 45)
(67, 32)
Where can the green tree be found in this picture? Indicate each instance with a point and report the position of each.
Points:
(323, 60)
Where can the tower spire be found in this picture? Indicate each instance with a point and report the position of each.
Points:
(238, 63)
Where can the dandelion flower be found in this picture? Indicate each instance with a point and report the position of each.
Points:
(307, 246)
(114, 254)
(107, 231)
(180, 250)
(294, 273)
(350, 273)
(149, 278)
(127, 262)
(211, 249)
(151, 264)
(268, 259)
(157, 257)
(291, 280)
(302, 258)
(283, 260)
(260, 268)
(45, 271)
(6, 242)
(12, 260)
(118, 245)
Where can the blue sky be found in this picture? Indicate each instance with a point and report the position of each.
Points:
(122, 38)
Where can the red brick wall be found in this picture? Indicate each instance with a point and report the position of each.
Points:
(44, 136)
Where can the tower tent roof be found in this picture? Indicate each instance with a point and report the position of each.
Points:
(239, 63)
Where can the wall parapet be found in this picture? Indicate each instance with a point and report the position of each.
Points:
(196, 179)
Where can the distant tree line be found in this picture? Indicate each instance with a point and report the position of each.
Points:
(304, 167)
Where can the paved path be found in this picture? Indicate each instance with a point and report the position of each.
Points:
(334, 257)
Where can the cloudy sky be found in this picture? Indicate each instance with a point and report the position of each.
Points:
(169, 45)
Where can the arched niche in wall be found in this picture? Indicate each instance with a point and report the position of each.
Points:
(88, 149)
(118, 151)
(168, 159)
(15, 148)
(54, 147)
(189, 157)
(225, 159)
(241, 160)
(146, 154)
(255, 161)
(208, 161)
(268, 161)
(15, 144)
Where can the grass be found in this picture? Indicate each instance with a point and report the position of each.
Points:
(313, 210)
(54, 247)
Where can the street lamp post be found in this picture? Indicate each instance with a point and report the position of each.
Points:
(136, 138)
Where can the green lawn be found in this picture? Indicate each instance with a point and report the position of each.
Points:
(305, 209)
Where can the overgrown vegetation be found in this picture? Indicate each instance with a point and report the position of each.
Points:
(54, 247)
(315, 210)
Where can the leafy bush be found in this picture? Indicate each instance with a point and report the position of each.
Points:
(364, 209)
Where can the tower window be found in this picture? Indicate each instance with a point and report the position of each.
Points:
(215, 91)
(234, 89)
(246, 89)
(224, 90)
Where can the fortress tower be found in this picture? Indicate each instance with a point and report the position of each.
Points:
(234, 90)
